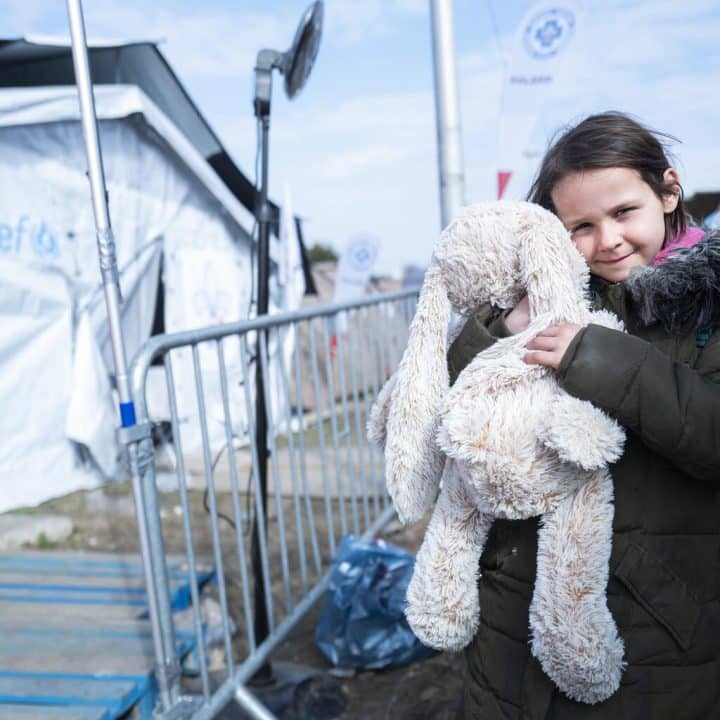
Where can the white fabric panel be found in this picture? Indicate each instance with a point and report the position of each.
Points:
(35, 375)
(203, 290)
(28, 106)
(54, 373)
(91, 411)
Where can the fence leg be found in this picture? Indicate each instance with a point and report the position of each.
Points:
(167, 669)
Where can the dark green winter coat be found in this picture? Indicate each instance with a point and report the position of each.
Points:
(664, 585)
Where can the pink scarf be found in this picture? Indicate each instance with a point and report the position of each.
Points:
(689, 238)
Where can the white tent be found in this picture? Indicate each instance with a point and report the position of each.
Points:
(174, 198)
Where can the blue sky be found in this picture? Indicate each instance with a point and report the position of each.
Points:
(357, 146)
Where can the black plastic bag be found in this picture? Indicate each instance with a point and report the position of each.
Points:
(362, 624)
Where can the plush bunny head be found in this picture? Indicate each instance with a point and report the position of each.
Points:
(493, 252)
(498, 252)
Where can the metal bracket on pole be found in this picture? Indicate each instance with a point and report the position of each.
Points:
(106, 251)
(139, 437)
(133, 433)
(267, 61)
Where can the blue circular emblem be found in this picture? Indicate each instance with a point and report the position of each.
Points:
(548, 33)
(361, 255)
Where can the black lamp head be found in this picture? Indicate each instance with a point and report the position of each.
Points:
(299, 59)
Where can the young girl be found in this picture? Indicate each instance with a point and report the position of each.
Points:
(609, 180)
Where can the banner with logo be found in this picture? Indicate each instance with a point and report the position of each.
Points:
(354, 267)
(353, 271)
(544, 45)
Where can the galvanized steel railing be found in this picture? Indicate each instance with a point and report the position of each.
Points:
(323, 368)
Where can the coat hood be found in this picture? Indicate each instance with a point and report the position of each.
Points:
(682, 293)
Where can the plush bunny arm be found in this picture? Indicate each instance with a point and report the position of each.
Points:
(377, 421)
(443, 608)
(582, 434)
(573, 633)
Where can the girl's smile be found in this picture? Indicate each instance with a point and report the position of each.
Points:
(612, 262)
(616, 220)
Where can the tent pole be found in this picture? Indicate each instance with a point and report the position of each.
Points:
(152, 546)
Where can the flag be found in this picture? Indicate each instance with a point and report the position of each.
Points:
(354, 267)
(291, 275)
(353, 272)
(545, 42)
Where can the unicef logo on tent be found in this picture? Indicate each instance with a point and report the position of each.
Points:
(548, 33)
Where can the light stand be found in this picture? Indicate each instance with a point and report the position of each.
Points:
(295, 65)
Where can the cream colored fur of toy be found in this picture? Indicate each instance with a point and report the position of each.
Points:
(509, 443)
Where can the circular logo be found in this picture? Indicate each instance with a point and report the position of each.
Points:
(361, 254)
(548, 33)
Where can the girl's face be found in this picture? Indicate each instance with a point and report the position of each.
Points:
(616, 221)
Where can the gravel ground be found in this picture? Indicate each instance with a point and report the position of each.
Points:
(104, 520)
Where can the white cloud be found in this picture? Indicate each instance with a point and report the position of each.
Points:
(19, 18)
(209, 42)
(377, 114)
(353, 163)
(352, 21)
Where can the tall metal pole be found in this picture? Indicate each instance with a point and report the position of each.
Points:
(263, 269)
(299, 58)
(151, 544)
(447, 112)
(263, 90)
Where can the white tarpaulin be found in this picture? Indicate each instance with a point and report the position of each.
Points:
(36, 366)
(165, 202)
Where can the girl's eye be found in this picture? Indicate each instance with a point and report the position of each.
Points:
(625, 211)
(579, 228)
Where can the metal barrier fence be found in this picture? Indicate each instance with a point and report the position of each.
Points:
(323, 368)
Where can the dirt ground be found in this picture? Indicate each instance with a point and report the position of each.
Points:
(104, 520)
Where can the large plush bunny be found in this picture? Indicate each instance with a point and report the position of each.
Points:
(509, 443)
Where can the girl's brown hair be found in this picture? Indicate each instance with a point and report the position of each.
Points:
(610, 139)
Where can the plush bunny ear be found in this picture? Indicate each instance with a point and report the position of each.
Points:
(377, 420)
(554, 272)
(376, 427)
(413, 462)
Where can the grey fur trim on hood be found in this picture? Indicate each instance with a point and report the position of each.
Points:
(683, 293)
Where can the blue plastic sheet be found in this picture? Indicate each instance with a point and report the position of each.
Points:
(362, 624)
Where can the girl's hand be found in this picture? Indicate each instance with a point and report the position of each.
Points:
(519, 318)
(548, 347)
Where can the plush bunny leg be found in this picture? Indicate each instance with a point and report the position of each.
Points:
(443, 608)
(582, 434)
(573, 633)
